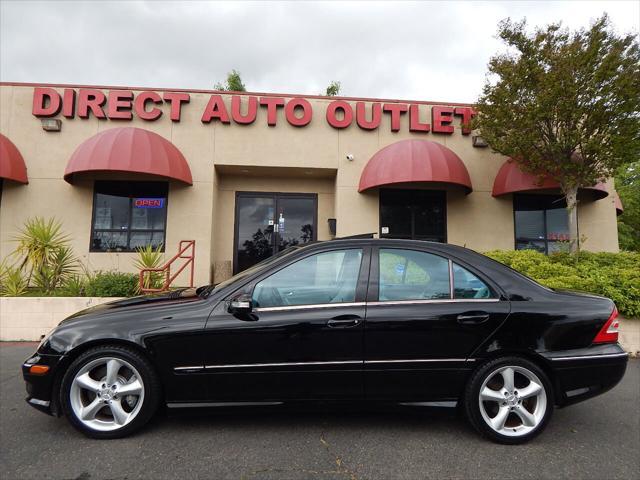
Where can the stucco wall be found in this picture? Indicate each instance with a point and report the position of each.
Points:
(28, 318)
(309, 159)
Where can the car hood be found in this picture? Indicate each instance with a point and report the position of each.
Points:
(165, 299)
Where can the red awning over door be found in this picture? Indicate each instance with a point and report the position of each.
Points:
(12, 165)
(132, 150)
(511, 179)
(414, 161)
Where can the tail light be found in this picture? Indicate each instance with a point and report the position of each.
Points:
(609, 331)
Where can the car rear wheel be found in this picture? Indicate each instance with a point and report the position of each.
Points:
(109, 392)
(509, 400)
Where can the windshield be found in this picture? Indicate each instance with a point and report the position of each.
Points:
(205, 291)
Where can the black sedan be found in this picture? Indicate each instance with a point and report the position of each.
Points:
(359, 320)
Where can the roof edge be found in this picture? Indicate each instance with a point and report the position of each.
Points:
(222, 92)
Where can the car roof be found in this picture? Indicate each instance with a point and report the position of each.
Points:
(444, 247)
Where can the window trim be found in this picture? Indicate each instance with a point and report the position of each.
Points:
(129, 229)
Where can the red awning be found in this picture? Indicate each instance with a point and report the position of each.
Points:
(414, 161)
(131, 150)
(618, 203)
(12, 165)
(511, 179)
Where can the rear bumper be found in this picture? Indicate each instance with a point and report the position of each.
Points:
(40, 387)
(584, 373)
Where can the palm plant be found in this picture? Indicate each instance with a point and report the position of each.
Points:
(38, 244)
(45, 253)
(61, 266)
(150, 257)
(12, 281)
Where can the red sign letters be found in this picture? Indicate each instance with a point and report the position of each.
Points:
(243, 110)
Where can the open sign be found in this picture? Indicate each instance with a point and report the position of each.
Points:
(148, 202)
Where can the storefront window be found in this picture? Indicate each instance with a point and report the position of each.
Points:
(541, 223)
(413, 214)
(128, 215)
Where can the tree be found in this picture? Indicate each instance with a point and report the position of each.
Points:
(234, 83)
(564, 104)
(333, 89)
(628, 188)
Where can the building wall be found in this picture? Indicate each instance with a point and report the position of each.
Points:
(225, 159)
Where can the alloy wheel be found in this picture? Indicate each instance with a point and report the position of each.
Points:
(513, 401)
(107, 393)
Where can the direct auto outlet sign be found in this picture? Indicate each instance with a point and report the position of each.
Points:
(298, 112)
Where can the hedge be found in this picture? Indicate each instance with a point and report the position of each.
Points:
(614, 275)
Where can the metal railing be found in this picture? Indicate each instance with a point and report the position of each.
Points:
(187, 251)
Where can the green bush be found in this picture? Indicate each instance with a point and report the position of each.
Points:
(111, 284)
(614, 275)
(74, 286)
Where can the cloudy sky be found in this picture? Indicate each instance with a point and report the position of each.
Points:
(423, 50)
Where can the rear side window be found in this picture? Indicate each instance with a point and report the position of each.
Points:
(412, 275)
(466, 285)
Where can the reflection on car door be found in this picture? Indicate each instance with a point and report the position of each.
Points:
(425, 315)
(305, 336)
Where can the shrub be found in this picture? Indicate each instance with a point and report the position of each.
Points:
(45, 253)
(614, 275)
(74, 286)
(12, 282)
(111, 284)
(149, 257)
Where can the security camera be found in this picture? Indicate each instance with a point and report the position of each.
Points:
(350, 157)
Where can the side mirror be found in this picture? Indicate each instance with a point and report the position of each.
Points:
(241, 305)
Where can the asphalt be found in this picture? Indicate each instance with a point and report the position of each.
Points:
(597, 439)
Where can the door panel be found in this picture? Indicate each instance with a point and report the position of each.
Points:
(417, 349)
(425, 346)
(285, 355)
(286, 350)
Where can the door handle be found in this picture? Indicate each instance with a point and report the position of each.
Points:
(473, 318)
(344, 321)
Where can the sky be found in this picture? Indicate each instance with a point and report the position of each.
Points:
(403, 50)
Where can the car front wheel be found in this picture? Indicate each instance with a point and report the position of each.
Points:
(509, 400)
(109, 392)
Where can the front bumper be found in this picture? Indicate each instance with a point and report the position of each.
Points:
(584, 373)
(40, 388)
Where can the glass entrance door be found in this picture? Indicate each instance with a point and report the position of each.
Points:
(267, 223)
(413, 214)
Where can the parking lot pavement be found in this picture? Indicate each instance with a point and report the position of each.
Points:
(597, 439)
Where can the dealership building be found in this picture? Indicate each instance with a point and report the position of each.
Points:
(246, 175)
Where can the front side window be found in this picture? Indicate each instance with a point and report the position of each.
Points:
(329, 277)
(466, 285)
(128, 215)
(541, 222)
(412, 275)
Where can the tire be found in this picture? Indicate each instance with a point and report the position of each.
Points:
(110, 391)
(505, 414)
